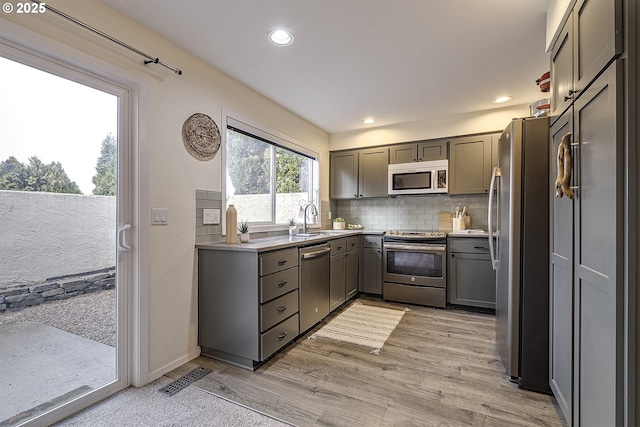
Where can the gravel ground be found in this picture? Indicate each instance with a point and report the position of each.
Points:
(91, 316)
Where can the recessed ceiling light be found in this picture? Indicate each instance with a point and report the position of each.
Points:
(368, 121)
(281, 37)
(501, 99)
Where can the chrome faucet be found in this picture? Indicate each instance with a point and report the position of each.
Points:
(314, 212)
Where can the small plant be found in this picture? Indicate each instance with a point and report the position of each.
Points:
(243, 228)
(292, 223)
(338, 219)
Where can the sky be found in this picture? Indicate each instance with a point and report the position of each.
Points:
(55, 119)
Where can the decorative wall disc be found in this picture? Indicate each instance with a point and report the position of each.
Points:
(201, 136)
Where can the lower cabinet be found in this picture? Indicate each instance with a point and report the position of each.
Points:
(247, 304)
(371, 266)
(471, 278)
(344, 271)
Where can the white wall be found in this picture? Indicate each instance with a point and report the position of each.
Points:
(49, 235)
(173, 175)
(433, 127)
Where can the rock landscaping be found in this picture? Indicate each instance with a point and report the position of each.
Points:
(21, 296)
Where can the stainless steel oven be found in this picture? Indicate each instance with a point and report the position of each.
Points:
(415, 268)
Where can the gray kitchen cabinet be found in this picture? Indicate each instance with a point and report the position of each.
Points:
(358, 173)
(590, 39)
(352, 267)
(561, 287)
(371, 265)
(586, 350)
(337, 273)
(418, 151)
(470, 161)
(344, 174)
(471, 280)
(344, 271)
(247, 304)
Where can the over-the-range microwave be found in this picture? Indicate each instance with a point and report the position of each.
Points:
(418, 177)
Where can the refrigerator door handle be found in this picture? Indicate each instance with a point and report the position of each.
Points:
(492, 252)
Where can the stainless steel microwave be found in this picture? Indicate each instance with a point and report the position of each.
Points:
(418, 177)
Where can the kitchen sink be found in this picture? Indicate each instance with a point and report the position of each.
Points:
(319, 234)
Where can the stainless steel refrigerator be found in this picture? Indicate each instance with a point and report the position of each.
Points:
(519, 215)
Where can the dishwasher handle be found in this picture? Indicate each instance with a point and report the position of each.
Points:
(315, 254)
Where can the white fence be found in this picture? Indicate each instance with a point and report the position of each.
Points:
(44, 235)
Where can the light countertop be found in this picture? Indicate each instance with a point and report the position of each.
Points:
(285, 241)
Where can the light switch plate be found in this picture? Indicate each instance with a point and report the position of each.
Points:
(159, 216)
(210, 216)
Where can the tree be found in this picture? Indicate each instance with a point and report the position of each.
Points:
(249, 168)
(36, 176)
(105, 177)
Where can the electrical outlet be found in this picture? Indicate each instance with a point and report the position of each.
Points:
(210, 216)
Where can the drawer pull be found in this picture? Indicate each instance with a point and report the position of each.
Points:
(373, 243)
(282, 262)
(481, 248)
(282, 310)
(281, 284)
(281, 336)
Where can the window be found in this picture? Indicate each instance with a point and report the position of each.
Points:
(268, 179)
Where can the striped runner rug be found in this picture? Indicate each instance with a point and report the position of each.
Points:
(363, 325)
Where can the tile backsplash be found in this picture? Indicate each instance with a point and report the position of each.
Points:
(206, 200)
(410, 212)
(392, 213)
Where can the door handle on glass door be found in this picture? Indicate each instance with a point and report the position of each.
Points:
(122, 246)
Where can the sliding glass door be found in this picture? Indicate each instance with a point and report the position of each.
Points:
(65, 250)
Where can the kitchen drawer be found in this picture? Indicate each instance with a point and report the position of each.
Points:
(371, 241)
(277, 261)
(338, 246)
(469, 245)
(277, 310)
(277, 284)
(279, 336)
(352, 243)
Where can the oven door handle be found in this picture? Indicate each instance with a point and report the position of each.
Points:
(396, 246)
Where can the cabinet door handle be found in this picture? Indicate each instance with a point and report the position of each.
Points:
(281, 284)
(282, 262)
(282, 335)
(339, 247)
(282, 310)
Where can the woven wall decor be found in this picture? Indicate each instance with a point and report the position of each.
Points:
(201, 136)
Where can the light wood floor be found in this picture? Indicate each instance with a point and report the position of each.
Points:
(438, 368)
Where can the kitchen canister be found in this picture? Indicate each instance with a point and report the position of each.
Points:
(232, 224)
(458, 224)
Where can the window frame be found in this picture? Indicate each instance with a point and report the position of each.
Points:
(276, 139)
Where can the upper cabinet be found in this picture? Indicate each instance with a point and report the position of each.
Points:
(359, 173)
(590, 39)
(418, 151)
(471, 162)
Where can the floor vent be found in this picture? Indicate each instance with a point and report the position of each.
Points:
(184, 381)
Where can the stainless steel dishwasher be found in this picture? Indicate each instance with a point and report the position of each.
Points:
(314, 285)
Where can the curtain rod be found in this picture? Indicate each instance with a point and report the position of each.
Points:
(150, 59)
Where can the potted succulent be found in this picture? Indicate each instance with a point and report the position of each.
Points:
(338, 223)
(243, 228)
(293, 227)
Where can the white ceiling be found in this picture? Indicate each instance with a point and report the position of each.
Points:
(395, 60)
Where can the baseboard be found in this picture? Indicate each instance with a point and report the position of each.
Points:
(174, 364)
